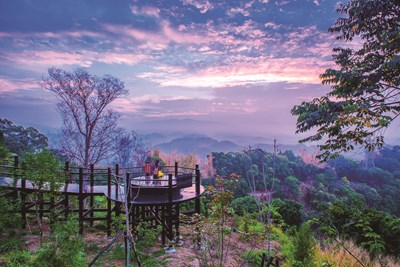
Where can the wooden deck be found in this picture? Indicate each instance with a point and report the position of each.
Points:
(156, 201)
(145, 191)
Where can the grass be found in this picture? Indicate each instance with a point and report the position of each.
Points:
(336, 255)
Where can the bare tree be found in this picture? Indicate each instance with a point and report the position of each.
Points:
(89, 129)
(132, 149)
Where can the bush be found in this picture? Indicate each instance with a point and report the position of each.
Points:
(247, 204)
(146, 236)
(18, 258)
(254, 257)
(64, 248)
(303, 247)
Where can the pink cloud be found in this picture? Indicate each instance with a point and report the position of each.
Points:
(22, 84)
(202, 5)
(82, 58)
(237, 10)
(164, 37)
(55, 35)
(266, 70)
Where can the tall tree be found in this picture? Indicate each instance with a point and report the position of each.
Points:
(365, 96)
(19, 140)
(132, 148)
(89, 129)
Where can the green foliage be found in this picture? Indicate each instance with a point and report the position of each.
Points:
(3, 152)
(146, 236)
(290, 211)
(304, 247)
(372, 229)
(43, 170)
(363, 99)
(292, 187)
(18, 258)
(8, 217)
(247, 204)
(19, 140)
(254, 257)
(298, 247)
(10, 243)
(63, 248)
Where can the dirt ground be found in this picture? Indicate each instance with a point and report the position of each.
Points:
(186, 253)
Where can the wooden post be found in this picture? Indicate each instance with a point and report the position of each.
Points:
(80, 198)
(177, 218)
(163, 225)
(170, 227)
(109, 210)
(116, 181)
(117, 204)
(91, 199)
(23, 197)
(176, 169)
(128, 198)
(143, 213)
(41, 207)
(16, 163)
(197, 200)
(128, 187)
(66, 196)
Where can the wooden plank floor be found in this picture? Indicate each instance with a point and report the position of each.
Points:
(142, 198)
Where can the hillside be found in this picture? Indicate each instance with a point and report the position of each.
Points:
(199, 145)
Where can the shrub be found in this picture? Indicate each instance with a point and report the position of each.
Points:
(254, 257)
(18, 258)
(304, 247)
(64, 248)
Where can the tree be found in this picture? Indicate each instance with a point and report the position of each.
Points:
(19, 140)
(132, 149)
(365, 88)
(89, 129)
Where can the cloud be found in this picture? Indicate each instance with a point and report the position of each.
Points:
(21, 84)
(202, 5)
(53, 35)
(148, 11)
(259, 71)
(82, 58)
(166, 34)
(237, 10)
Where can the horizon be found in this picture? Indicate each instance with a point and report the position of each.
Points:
(218, 68)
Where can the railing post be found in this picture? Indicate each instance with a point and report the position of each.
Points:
(197, 200)
(16, 163)
(127, 200)
(23, 197)
(109, 203)
(66, 197)
(117, 204)
(80, 197)
(176, 169)
(171, 232)
(127, 187)
(91, 214)
(116, 181)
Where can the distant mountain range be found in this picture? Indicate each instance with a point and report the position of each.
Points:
(204, 145)
(201, 144)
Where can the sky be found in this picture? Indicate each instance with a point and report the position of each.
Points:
(226, 67)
